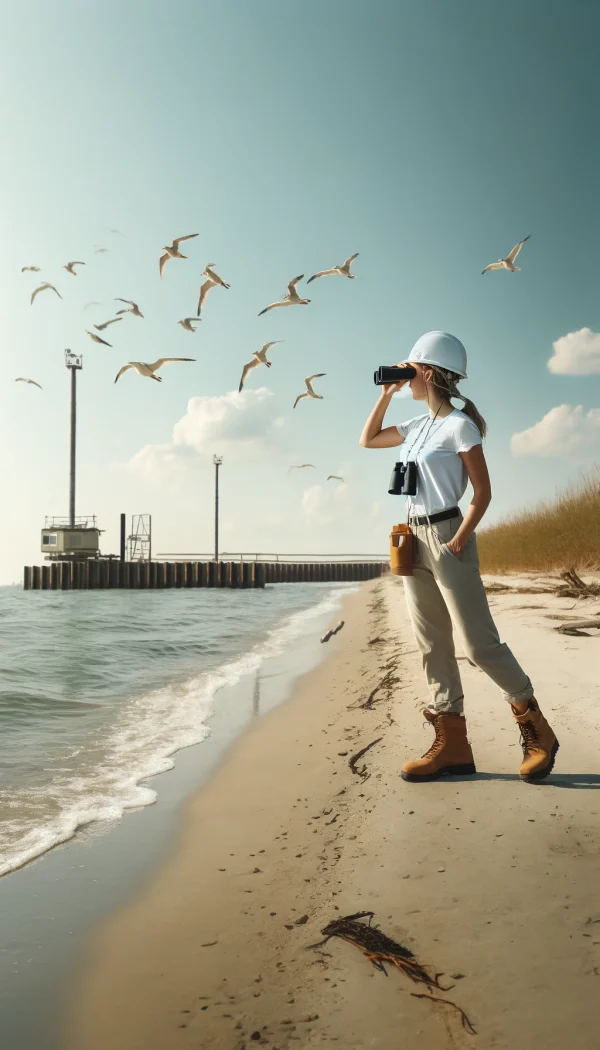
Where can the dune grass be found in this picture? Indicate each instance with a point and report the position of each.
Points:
(554, 535)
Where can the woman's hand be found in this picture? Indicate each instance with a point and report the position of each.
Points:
(455, 548)
(392, 388)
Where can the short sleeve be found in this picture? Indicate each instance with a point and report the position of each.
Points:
(465, 435)
(405, 428)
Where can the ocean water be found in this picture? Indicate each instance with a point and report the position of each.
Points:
(99, 690)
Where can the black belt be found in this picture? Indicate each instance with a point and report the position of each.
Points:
(442, 515)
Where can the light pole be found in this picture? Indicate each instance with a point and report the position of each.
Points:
(217, 460)
(75, 363)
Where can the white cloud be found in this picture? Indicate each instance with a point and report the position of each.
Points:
(323, 505)
(576, 354)
(565, 430)
(235, 425)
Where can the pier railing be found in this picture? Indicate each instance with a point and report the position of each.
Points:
(267, 557)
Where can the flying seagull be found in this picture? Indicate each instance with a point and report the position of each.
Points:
(97, 338)
(309, 390)
(291, 299)
(508, 262)
(299, 466)
(172, 251)
(189, 322)
(105, 324)
(34, 269)
(149, 369)
(69, 267)
(42, 288)
(212, 280)
(335, 476)
(22, 379)
(259, 357)
(98, 251)
(134, 308)
(343, 270)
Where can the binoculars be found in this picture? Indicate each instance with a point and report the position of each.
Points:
(391, 374)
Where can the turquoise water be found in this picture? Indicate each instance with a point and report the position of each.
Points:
(99, 690)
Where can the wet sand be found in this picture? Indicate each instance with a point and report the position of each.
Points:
(493, 882)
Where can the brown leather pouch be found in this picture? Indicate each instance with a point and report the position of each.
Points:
(401, 550)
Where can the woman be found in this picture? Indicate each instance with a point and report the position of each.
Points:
(446, 444)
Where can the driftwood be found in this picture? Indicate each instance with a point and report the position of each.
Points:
(359, 754)
(574, 587)
(380, 949)
(333, 630)
(574, 627)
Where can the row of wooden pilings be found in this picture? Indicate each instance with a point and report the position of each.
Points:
(104, 574)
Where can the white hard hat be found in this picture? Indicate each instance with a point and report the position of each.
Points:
(441, 349)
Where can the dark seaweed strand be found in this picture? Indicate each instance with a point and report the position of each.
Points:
(434, 999)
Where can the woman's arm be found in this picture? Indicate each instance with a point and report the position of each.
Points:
(373, 436)
(474, 461)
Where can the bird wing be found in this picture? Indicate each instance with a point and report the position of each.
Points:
(119, 300)
(167, 361)
(178, 240)
(308, 380)
(162, 263)
(293, 283)
(196, 319)
(493, 266)
(321, 273)
(299, 398)
(299, 466)
(124, 369)
(42, 288)
(105, 324)
(284, 302)
(97, 339)
(335, 477)
(266, 346)
(517, 249)
(77, 262)
(351, 259)
(22, 379)
(204, 290)
(254, 363)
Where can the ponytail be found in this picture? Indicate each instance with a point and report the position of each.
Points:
(446, 381)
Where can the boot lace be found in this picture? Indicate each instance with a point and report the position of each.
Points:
(529, 739)
(438, 743)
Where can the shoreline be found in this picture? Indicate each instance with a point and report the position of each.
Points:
(485, 878)
(49, 904)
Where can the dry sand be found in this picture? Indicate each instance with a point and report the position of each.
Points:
(494, 882)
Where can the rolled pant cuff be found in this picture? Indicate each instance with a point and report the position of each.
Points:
(519, 698)
(447, 707)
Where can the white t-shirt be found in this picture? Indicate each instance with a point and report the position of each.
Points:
(441, 474)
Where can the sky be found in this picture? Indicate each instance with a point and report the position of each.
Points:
(428, 137)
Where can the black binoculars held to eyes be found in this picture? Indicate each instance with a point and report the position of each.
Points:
(391, 374)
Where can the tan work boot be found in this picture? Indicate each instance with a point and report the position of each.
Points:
(539, 743)
(449, 755)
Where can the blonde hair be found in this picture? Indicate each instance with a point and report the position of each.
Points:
(445, 381)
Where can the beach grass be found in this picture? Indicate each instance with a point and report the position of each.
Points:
(554, 535)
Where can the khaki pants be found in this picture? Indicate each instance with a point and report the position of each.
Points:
(446, 590)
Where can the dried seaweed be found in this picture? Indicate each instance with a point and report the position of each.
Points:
(379, 949)
(359, 754)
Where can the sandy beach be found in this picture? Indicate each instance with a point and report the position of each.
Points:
(491, 882)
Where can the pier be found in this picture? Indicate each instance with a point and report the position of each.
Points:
(112, 573)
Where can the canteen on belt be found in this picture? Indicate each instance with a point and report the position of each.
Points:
(401, 550)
